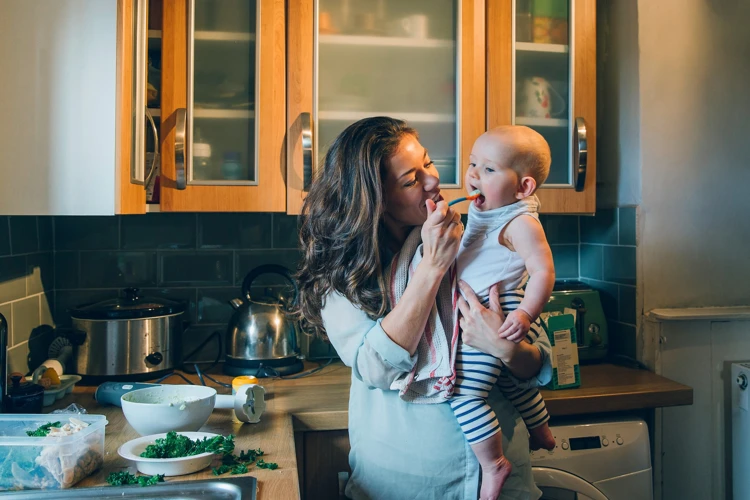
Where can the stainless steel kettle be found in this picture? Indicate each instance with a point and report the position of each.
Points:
(261, 339)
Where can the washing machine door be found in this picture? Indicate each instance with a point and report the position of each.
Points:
(560, 485)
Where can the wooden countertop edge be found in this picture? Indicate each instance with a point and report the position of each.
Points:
(621, 401)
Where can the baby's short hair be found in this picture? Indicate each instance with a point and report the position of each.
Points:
(530, 154)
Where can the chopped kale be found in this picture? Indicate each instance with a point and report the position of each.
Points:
(125, 477)
(239, 469)
(177, 446)
(43, 430)
(262, 464)
(223, 469)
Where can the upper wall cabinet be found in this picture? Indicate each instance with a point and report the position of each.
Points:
(419, 60)
(216, 81)
(65, 109)
(541, 60)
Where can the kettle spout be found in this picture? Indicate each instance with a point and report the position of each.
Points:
(236, 303)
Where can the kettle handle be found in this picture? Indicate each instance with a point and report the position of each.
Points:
(268, 269)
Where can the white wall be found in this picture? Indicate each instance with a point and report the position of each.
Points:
(695, 148)
(57, 106)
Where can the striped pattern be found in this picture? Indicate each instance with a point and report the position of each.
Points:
(477, 372)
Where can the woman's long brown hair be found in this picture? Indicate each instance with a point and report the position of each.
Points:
(341, 234)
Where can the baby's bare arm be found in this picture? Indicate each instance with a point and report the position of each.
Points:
(525, 235)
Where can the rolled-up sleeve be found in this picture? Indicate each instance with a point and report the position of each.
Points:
(363, 345)
(545, 372)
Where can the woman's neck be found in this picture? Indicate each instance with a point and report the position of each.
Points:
(395, 234)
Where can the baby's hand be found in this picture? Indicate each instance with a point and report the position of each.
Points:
(516, 326)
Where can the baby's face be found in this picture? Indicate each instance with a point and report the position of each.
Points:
(488, 172)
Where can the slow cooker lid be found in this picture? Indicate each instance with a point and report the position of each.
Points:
(130, 306)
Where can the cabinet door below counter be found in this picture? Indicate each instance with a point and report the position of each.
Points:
(321, 455)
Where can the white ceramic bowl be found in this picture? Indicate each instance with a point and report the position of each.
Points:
(168, 466)
(165, 408)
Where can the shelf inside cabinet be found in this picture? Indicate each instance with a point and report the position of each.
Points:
(153, 208)
(212, 36)
(409, 117)
(235, 114)
(385, 41)
(541, 122)
(552, 48)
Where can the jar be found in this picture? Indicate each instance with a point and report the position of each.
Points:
(523, 21)
(231, 168)
(550, 21)
(201, 160)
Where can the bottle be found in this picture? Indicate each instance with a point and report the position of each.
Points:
(201, 157)
(523, 21)
(231, 169)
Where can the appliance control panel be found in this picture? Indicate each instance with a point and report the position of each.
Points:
(623, 441)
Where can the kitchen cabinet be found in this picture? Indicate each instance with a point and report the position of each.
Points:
(65, 71)
(420, 60)
(321, 456)
(219, 92)
(541, 60)
(451, 69)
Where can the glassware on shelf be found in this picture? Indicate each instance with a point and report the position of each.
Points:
(202, 167)
(231, 169)
(524, 21)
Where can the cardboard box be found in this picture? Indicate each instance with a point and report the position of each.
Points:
(561, 332)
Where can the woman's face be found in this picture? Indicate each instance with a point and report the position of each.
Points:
(411, 179)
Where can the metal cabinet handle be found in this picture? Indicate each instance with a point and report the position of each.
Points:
(580, 153)
(179, 149)
(308, 165)
(152, 170)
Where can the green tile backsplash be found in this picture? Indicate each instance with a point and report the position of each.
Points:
(49, 264)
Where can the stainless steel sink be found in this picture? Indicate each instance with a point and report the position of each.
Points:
(239, 488)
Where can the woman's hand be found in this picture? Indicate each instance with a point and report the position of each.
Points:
(480, 325)
(441, 236)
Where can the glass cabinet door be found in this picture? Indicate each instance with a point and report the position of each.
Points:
(543, 83)
(222, 97)
(391, 58)
(422, 61)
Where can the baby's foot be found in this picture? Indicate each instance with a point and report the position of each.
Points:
(493, 478)
(541, 437)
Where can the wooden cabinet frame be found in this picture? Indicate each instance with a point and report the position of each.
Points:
(269, 195)
(499, 92)
(300, 78)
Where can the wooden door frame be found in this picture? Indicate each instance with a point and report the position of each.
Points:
(300, 74)
(500, 92)
(269, 195)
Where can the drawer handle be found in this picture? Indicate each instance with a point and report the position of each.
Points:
(580, 153)
(179, 149)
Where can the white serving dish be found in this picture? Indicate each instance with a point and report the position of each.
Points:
(165, 408)
(167, 466)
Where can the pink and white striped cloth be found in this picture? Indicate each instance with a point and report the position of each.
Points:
(432, 378)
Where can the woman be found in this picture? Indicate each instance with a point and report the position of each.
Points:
(377, 185)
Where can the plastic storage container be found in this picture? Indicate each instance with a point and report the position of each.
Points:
(48, 462)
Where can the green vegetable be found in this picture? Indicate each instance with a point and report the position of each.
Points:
(262, 464)
(239, 469)
(43, 430)
(125, 477)
(223, 469)
(177, 446)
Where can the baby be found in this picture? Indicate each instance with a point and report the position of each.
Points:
(504, 243)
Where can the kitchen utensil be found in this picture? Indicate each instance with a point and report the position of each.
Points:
(133, 336)
(591, 324)
(260, 336)
(537, 98)
(247, 400)
(167, 408)
(168, 466)
(471, 196)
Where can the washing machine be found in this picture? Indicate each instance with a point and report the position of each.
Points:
(599, 460)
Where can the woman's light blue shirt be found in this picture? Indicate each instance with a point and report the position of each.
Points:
(404, 450)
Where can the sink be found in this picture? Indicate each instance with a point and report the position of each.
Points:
(209, 489)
